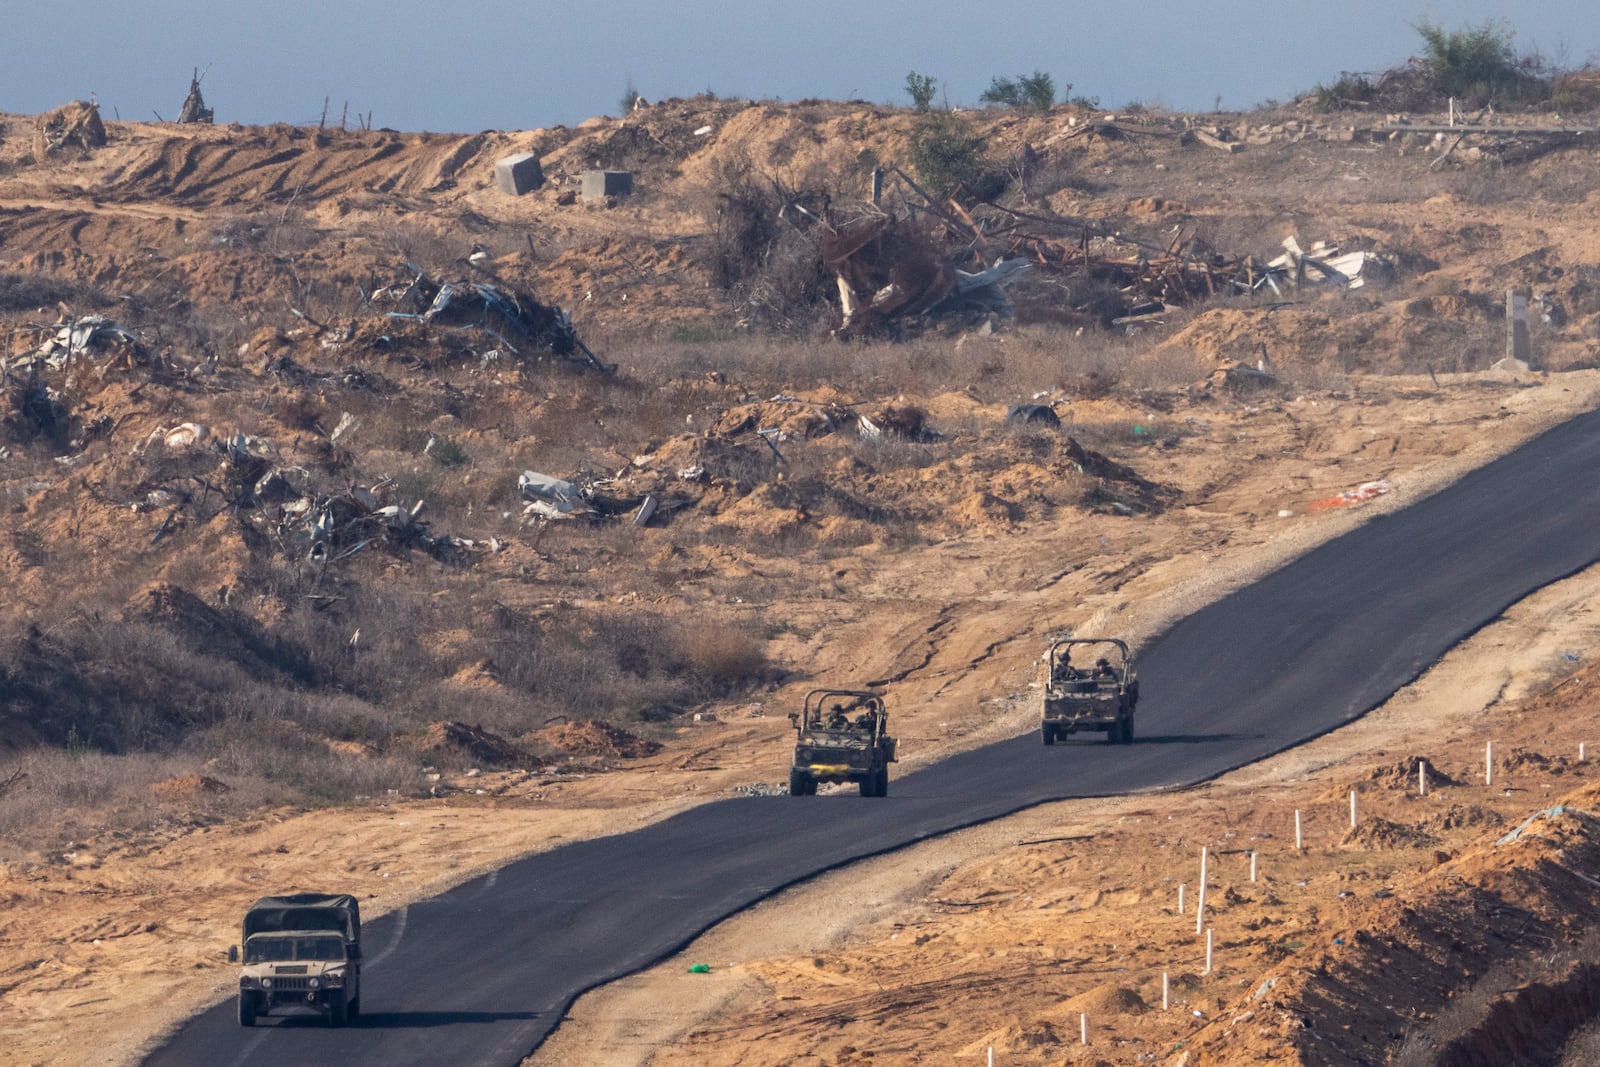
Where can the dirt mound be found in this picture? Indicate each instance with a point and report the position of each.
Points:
(1383, 834)
(186, 786)
(1459, 817)
(1538, 761)
(1106, 1000)
(594, 737)
(1403, 775)
(457, 738)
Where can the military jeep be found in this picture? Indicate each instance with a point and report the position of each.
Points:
(1099, 695)
(301, 949)
(841, 735)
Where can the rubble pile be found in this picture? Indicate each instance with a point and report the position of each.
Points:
(74, 125)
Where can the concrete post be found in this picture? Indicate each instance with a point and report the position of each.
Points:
(1518, 345)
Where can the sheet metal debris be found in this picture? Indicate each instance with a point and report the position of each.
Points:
(86, 335)
(508, 316)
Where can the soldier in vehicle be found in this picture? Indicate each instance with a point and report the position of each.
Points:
(867, 720)
(837, 720)
(1104, 669)
(1067, 672)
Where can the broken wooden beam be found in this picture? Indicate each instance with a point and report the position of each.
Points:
(1213, 141)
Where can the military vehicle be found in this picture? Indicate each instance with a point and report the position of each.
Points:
(1100, 695)
(303, 949)
(841, 735)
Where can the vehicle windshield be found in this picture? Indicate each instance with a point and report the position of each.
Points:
(286, 949)
(841, 719)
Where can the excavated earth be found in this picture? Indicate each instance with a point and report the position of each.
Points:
(145, 566)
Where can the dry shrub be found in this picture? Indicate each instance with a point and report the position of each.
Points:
(30, 292)
(772, 271)
(722, 656)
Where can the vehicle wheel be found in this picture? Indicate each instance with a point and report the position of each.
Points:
(1049, 734)
(338, 1011)
(355, 1008)
(883, 782)
(869, 785)
(800, 784)
(1127, 731)
(247, 1009)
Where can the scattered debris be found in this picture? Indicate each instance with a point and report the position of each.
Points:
(489, 309)
(1351, 497)
(551, 498)
(1323, 264)
(1033, 415)
(194, 108)
(87, 335)
(74, 125)
(888, 270)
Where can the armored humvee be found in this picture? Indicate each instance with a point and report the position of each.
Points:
(301, 949)
(841, 735)
(1100, 695)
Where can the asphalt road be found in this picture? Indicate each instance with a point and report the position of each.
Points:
(482, 974)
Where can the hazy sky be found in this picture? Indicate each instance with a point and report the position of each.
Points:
(496, 64)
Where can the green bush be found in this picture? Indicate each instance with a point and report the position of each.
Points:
(948, 154)
(1029, 92)
(1349, 89)
(921, 88)
(1475, 64)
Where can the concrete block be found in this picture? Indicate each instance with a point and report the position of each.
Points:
(519, 174)
(599, 184)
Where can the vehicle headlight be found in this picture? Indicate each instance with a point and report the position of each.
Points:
(247, 982)
(332, 978)
(315, 983)
(266, 983)
(805, 755)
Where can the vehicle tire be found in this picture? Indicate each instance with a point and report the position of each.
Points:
(1127, 731)
(883, 782)
(800, 784)
(869, 785)
(355, 1008)
(338, 1011)
(247, 1009)
(1049, 733)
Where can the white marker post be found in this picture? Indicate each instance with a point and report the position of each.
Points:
(1580, 751)
(1166, 991)
(1180, 898)
(1299, 846)
(1488, 763)
(1200, 902)
(1352, 809)
(1422, 778)
(1252, 865)
(1083, 1028)
(1208, 951)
